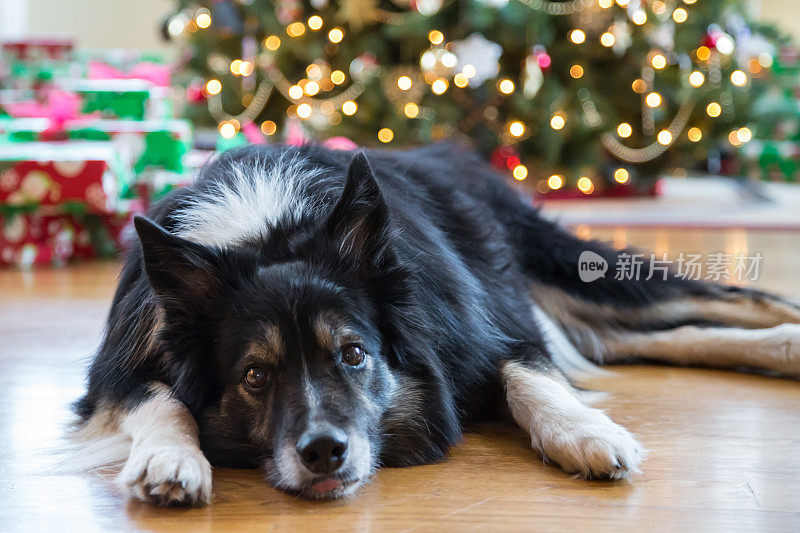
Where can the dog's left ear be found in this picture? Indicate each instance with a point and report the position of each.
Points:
(357, 224)
(185, 274)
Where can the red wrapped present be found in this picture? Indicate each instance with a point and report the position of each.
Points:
(87, 174)
(54, 183)
(34, 239)
(28, 239)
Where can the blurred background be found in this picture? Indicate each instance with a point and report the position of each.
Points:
(634, 113)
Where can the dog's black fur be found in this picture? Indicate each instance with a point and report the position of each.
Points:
(427, 256)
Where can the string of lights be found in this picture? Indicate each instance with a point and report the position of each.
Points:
(295, 93)
(664, 140)
(467, 73)
(251, 111)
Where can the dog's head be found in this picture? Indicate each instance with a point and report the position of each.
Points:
(297, 358)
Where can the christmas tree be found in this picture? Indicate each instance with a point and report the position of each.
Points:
(585, 94)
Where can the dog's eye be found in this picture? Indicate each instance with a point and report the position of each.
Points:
(353, 354)
(255, 377)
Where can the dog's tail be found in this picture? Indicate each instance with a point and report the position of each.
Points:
(650, 311)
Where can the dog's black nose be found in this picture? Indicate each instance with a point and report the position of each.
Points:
(324, 451)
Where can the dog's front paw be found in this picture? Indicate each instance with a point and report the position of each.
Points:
(592, 446)
(167, 474)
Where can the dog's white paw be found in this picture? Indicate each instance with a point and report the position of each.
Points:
(167, 474)
(591, 446)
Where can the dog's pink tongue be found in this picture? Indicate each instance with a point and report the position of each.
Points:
(326, 485)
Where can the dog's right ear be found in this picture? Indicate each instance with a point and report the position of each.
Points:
(180, 271)
(357, 224)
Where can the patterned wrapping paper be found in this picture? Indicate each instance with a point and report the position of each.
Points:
(28, 239)
(61, 201)
(37, 175)
(772, 160)
(32, 49)
(51, 183)
(35, 239)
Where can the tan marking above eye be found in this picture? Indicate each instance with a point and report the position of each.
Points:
(323, 329)
(326, 327)
(333, 333)
(268, 346)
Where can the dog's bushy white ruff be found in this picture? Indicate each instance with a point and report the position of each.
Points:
(254, 197)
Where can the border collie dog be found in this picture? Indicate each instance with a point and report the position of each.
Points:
(319, 314)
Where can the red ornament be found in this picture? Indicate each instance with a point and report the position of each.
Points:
(544, 61)
(504, 158)
(369, 59)
(195, 94)
(710, 40)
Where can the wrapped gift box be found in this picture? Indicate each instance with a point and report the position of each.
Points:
(150, 143)
(158, 182)
(28, 239)
(133, 99)
(91, 175)
(34, 239)
(26, 63)
(772, 160)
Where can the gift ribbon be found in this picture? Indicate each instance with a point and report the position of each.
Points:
(158, 75)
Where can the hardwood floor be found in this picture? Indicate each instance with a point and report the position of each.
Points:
(724, 448)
